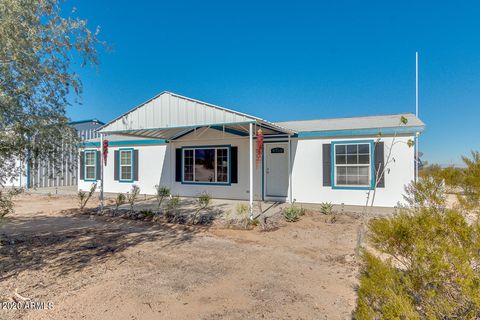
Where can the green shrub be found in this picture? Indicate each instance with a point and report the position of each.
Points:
(428, 267)
(470, 183)
(132, 196)
(171, 213)
(6, 200)
(148, 213)
(161, 193)
(203, 203)
(293, 213)
(119, 200)
(326, 208)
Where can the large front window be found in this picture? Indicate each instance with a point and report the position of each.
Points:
(352, 164)
(126, 165)
(208, 165)
(90, 165)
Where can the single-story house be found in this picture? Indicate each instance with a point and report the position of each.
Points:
(192, 147)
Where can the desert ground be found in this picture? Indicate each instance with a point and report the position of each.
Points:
(93, 267)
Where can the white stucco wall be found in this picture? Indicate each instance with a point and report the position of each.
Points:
(157, 166)
(307, 176)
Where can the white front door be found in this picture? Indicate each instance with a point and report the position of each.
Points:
(276, 169)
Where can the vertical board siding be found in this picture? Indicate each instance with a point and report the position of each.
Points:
(43, 173)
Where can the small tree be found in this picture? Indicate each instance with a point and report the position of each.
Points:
(119, 200)
(83, 196)
(132, 196)
(161, 193)
(203, 203)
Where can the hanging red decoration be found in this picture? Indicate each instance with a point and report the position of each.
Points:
(105, 151)
(259, 147)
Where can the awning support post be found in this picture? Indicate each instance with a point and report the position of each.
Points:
(250, 138)
(289, 170)
(101, 171)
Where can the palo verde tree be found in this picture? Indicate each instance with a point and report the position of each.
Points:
(39, 48)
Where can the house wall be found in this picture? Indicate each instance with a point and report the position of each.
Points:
(157, 166)
(307, 176)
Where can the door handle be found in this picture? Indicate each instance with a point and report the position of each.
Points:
(268, 170)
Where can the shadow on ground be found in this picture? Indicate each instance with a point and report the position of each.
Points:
(69, 244)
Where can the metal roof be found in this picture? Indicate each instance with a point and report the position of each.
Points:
(353, 123)
(168, 115)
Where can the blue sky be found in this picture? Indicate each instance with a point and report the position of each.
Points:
(294, 60)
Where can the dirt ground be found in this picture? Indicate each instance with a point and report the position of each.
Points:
(92, 267)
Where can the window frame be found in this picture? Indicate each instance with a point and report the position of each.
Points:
(370, 185)
(131, 150)
(215, 183)
(85, 178)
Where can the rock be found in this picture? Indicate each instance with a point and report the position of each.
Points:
(140, 216)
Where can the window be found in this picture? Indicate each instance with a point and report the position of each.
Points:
(206, 165)
(352, 164)
(126, 165)
(90, 165)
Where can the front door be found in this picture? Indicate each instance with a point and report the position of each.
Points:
(276, 169)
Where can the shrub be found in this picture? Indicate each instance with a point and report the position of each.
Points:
(119, 200)
(470, 182)
(326, 208)
(293, 213)
(6, 200)
(242, 214)
(84, 197)
(426, 192)
(203, 203)
(132, 196)
(147, 213)
(171, 214)
(429, 265)
(161, 193)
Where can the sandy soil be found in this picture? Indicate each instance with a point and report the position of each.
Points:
(109, 268)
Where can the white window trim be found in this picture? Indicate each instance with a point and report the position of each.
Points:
(215, 165)
(125, 165)
(94, 165)
(369, 165)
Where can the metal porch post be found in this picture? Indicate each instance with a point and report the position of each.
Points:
(101, 171)
(250, 129)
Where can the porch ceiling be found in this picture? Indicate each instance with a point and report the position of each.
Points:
(239, 129)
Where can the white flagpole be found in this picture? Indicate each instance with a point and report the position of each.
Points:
(417, 159)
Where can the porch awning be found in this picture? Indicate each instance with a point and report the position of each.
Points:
(169, 116)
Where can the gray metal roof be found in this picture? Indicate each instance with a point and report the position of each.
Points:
(117, 137)
(168, 114)
(353, 123)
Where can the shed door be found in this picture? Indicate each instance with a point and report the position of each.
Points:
(276, 169)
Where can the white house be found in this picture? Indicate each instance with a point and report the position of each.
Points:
(194, 147)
